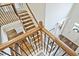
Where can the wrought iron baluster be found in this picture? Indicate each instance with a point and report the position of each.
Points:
(47, 45)
(44, 41)
(27, 47)
(31, 44)
(21, 48)
(15, 51)
(56, 50)
(5, 53)
(51, 48)
(63, 54)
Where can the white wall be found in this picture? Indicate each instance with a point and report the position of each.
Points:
(56, 12)
(38, 10)
(73, 18)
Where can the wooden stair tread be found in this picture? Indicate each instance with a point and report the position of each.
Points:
(25, 21)
(29, 27)
(26, 18)
(23, 14)
(26, 25)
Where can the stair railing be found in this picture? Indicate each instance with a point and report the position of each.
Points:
(58, 42)
(9, 13)
(24, 47)
(61, 44)
(34, 47)
(29, 9)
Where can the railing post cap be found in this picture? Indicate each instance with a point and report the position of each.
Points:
(40, 24)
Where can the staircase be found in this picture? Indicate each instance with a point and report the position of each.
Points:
(26, 20)
(26, 17)
(35, 41)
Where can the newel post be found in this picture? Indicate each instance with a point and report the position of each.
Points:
(40, 25)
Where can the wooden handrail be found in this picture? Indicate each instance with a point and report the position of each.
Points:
(5, 5)
(18, 38)
(61, 44)
(66, 48)
(13, 5)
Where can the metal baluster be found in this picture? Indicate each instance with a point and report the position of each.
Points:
(47, 45)
(5, 53)
(56, 51)
(51, 48)
(1, 54)
(15, 51)
(31, 44)
(27, 47)
(21, 49)
(44, 41)
(63, 54)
